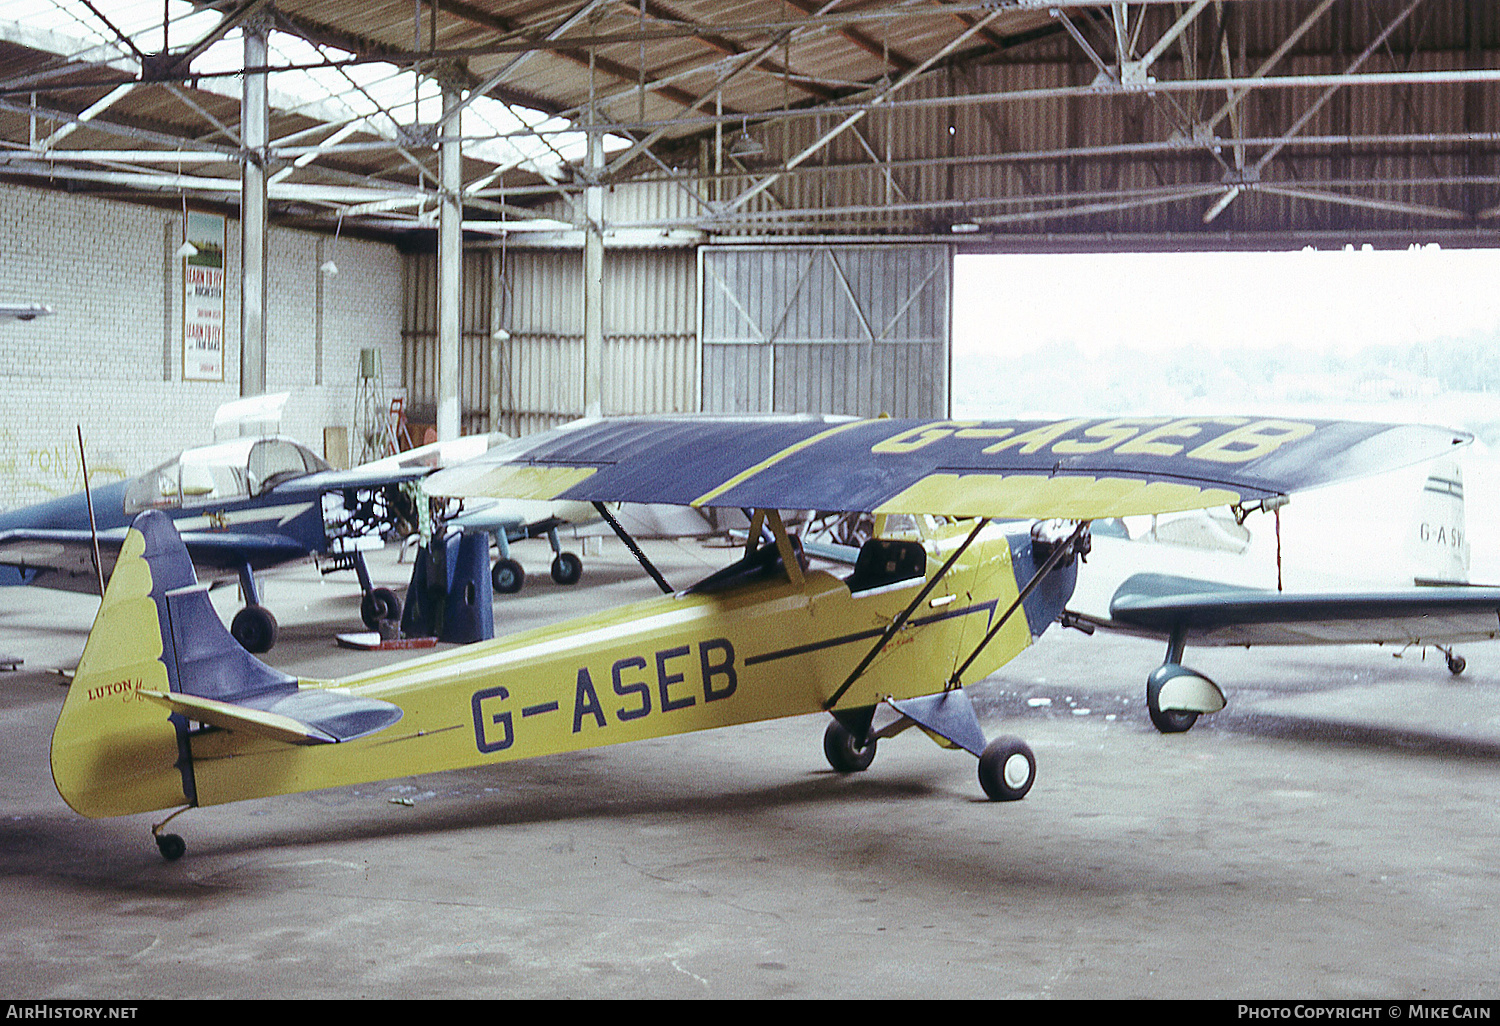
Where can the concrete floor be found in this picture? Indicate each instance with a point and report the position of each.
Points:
(1333, 834)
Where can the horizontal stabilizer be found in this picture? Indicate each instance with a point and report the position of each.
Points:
(308, 716)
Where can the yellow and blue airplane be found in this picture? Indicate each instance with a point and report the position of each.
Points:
(166, 711)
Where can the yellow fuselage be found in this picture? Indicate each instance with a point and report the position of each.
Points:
(773, 646)
(665, 666)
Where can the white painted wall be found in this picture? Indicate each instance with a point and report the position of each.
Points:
(110, 358)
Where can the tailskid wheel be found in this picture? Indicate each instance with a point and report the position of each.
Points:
(843, 752)
(567, 568)
(172, 846)
(1007, 769)
(507, 576)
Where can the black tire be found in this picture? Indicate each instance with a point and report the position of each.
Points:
(1456, 664)
(567, 568)
(1168, 721)
(380, 604)
(507, 577)
(1007, 769)
(171, 846)
(843, 753)
(254, 628)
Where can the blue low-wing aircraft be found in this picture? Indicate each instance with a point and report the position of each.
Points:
(1438, 609)
(241, 505)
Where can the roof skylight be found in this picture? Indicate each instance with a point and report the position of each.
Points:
(376, 98)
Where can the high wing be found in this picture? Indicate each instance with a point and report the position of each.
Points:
(1220, 615)
(1075, 469)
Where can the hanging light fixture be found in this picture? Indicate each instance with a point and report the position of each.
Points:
(187, 249)
(745, 144)
(328, 267)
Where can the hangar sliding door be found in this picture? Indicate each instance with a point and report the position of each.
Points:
(861, 330)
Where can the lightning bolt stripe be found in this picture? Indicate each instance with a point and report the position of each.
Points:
(223, 518)
(771, 461)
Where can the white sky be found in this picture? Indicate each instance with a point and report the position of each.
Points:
(1019, 305)
(1338, 299)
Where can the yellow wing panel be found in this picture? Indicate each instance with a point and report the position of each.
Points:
(1075, 498)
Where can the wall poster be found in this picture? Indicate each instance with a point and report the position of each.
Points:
(203, 300)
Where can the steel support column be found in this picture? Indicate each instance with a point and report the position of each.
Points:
(593, 278)
(254, 130)
(450, 266)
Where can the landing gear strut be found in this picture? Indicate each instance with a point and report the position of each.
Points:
(1007, 766)
(1176, 695)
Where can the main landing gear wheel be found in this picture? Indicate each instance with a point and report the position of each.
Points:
(1168, 721)
(254, 628)
(1456, 663)
(1007, 769)
(843, 753)
(172, 847)
(507, 576)
(380, 604)
(567, 568)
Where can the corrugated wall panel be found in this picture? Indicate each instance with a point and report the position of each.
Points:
(419, 336)
(650, 334)
(736, 378)
(826, 329)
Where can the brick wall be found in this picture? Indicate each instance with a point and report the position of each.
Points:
(110, 358)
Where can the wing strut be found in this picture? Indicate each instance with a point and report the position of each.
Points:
(635, 550)
(900, 621)
(1065, 549)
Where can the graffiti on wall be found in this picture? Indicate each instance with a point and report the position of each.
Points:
(31, 473)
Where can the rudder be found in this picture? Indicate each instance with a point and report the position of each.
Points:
(113, 752)
(1438, 543)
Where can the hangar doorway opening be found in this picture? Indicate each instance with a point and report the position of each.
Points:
(1390, 336)
(1371, 334)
